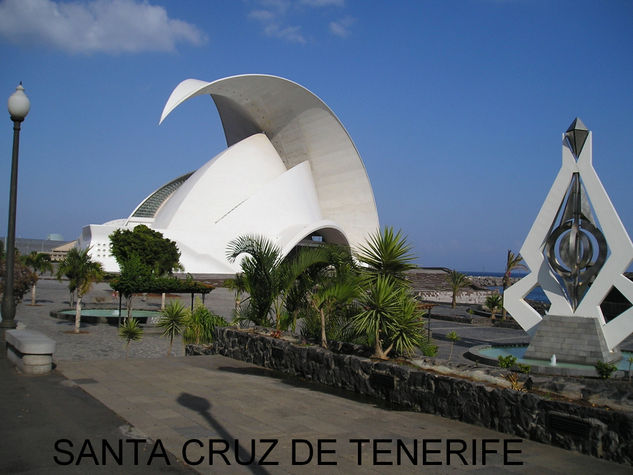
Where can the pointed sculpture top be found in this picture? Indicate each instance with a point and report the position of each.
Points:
(576, 135)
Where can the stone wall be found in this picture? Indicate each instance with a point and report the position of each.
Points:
(467, 297)
(599, 432)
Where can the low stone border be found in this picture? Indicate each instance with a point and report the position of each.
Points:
(453, 318)
(596, 431)
(473, 355)
(109, 319)
(198, 350)
(509, 323)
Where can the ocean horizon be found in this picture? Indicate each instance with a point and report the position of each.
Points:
(536, 294)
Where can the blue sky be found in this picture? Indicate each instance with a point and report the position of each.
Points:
(457, 107)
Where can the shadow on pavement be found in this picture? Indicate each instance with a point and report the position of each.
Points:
(203, 407)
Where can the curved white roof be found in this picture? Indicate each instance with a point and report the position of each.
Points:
(301, 127)
(290, 173)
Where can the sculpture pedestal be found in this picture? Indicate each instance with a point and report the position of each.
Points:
(571, 339)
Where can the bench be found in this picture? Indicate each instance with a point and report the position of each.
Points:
(31, 351)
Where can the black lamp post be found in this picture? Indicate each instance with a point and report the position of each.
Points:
(19, 106)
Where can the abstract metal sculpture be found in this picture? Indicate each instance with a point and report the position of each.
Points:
(577, 251)
(571, 246)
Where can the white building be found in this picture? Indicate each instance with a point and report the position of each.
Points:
(291, 173)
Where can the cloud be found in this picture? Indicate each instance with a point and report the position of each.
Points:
(262, 15)
(323, 3)
(273, 16)
(342, 27)
(280, 6)
(110, 26)
(289, 33)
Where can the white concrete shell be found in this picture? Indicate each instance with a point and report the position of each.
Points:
(291, 172)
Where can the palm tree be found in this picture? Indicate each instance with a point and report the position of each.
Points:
(37, 262)
(333, 292)
(493, 302)
(407, 329)
(389, 315)
(452, 337)
(457, 282)
(258, 277)
(238, 286)
(513, 262)
(200, 324)
(267, 277)
(335, 285)
(130, 331)
(81, 271)
(379, 302)
(172, 321)
(386, 254)
(66, 269)
(134, 277)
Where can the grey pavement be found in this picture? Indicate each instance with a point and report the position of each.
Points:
(98, 341)
(196, 408)
(38, 412)
(177, 400)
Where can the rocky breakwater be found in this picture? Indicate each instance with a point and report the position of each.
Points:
(431, 284)
(601, 432)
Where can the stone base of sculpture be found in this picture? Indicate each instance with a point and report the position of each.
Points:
(572, 340)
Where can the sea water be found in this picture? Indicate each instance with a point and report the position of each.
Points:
(536, 294)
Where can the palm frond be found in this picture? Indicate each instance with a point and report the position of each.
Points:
(386, 253)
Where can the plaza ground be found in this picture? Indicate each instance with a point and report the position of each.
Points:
(195, 408)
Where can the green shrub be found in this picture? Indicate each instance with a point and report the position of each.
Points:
(338, 327)
(524, 368)
(172, 321)
(452, 336)
(199, 325)
(506, 361)
(130, 331)
(429, 349)
(605, 370)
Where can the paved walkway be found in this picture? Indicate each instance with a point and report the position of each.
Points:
(38, 412)
(180, 403)
(198, 399)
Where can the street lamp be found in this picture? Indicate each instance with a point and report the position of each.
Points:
(19, 106)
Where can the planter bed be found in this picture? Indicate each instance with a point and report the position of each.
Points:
(597, 431)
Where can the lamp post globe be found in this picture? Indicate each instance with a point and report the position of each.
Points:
(19, 106)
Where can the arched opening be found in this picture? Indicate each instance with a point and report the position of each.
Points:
(319, 237)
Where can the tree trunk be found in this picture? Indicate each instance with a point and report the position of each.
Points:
(78, 314)
(162, 301)
(278, 314)
(454, 300)
(378, 353)
(323, 337)
(129, 307)
(33, 295)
